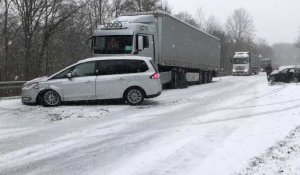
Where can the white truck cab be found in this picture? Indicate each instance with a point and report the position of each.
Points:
(245, 63)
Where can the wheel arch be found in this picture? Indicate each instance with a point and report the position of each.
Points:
(44, 91)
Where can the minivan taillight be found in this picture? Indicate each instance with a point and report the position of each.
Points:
(155, 76)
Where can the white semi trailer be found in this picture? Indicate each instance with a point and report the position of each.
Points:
(181, 52)
(245, 63)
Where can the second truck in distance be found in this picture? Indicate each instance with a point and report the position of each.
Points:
(245, 63)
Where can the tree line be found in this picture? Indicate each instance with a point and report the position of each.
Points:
(39, 37)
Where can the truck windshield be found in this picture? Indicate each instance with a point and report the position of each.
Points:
(113, 44)
(240, 60)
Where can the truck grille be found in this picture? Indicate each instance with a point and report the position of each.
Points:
(239, 68)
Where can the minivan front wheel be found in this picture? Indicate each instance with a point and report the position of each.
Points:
(134, 96)
(50, 98)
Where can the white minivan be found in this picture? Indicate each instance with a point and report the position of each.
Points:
(131, 78)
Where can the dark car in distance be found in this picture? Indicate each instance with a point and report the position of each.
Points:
(286, 75)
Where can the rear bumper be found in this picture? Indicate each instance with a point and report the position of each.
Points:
(154, 95)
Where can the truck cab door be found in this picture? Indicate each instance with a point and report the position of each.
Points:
(148, 46)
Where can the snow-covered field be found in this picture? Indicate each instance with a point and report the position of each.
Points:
(235, 125)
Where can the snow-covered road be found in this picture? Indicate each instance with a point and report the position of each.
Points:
(218, 128)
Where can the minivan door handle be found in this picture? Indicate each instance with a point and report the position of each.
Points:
(122, 78)
(89, 81)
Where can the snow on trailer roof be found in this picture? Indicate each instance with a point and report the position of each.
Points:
(162, 13)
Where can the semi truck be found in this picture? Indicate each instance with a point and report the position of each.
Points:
(181, 52)
(264, 63)
(245, 63)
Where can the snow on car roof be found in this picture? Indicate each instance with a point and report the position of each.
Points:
(114, 57)
(288, 66)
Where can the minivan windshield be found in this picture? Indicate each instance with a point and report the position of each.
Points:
(119, 44)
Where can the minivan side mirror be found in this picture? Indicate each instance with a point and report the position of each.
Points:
(140, 43)
(69, 75)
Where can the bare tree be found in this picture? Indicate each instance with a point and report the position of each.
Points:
(165, 6)
(55, 14)
(264, 49)
(141, 5)
(212, 24)
(5, 36)
(30, 13)
(119, 5)
(188, 18)
(298, 40)
(200, 19)
(99, 12)
(240, 28)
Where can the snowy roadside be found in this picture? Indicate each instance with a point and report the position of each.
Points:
(282, 158)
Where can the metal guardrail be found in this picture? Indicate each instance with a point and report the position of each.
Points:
(11, 84)
(7, 85)
(10, 88)
(10, 98)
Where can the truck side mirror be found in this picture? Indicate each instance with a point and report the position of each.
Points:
(140, 43)
(90, 43)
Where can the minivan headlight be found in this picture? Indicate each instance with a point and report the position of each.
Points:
(33, 85)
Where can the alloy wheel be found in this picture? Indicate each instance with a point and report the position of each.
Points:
(135, 96)
(51, 98)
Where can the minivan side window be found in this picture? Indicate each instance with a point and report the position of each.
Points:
(106, 67)
(132, 66)
(109, 67)
(84, 69)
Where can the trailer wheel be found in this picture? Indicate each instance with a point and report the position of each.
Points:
(201, 78)
(210, 77)
(178, 79)
(174, 79)
(205, 77)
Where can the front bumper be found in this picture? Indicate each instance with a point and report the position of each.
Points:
(29, 95)
(240, 73)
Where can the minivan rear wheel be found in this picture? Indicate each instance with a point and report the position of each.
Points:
(134, 96)
(50, 98)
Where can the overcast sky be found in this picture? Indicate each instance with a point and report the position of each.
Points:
(274, 20)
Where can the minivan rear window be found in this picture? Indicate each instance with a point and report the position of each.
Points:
(108, 67)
